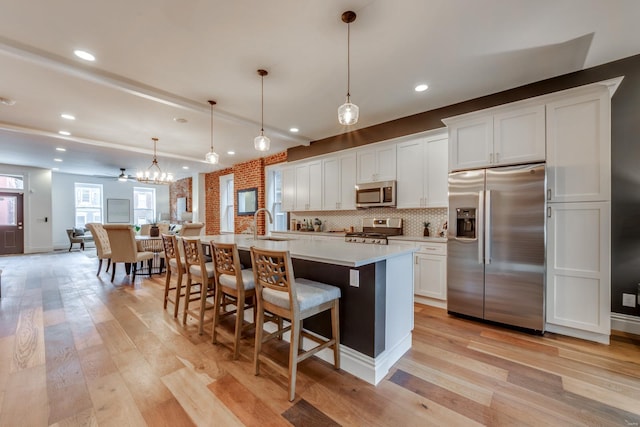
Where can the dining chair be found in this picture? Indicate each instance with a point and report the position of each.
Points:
(175, 266)
(199, 273)
(124, 248)
(101, 239)
(191, 229)
(279, 292)
(234, 286)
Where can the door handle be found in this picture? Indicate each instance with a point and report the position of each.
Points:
(487, 229)
(480, 220)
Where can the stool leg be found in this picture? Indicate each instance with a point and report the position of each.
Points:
(178, 294)
(239, 323)
(293, 358)
(335, 329)
(258, 343)
(187, 296)
(167, 283)
(217, 302)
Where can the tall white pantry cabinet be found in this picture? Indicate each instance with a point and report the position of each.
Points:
(578, 295)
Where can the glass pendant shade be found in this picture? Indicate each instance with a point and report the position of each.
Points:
(261, 142)
(212, 157)
(348, 113)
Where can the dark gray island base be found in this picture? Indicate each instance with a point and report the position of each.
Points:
(376, 316)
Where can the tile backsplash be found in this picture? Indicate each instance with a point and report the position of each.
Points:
(413, 219)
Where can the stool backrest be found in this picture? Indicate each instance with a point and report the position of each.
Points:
(273, 270)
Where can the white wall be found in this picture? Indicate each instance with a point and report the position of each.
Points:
(37, 206)
(63, 192)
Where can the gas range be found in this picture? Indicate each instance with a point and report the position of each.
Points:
(375, 231)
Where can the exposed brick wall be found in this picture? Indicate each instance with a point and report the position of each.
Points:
(180, 188)
(245, 175)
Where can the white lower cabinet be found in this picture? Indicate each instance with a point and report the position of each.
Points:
(578, 270)
(429, 272)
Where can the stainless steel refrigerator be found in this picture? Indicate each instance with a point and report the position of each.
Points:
(496, 245)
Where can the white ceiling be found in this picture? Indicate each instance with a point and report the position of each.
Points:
(160, 59)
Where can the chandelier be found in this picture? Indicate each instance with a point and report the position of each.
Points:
(261, 142)
(348, 112)
(153, 174)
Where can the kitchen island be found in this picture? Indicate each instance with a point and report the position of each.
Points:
(376, 306)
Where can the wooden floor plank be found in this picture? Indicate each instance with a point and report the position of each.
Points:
(249, 408)
(25, 401)
(169, 414)
(114, 337)
(29, 342)
(190, 390)
(113, 403)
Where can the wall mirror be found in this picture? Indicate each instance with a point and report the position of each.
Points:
(247, 201)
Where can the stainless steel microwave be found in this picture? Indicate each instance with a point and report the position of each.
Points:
(375, 194)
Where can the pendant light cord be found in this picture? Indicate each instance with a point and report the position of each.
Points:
(262, 105)
(211, 125)
(348, 60)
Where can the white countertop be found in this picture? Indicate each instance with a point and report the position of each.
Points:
(335, 252)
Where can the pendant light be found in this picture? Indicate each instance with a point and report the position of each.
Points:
(153, 174)
(348, 112)
(261, 142)
(212, 157)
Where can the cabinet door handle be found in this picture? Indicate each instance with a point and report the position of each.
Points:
(497, 157)
(548, 211)
(548, 194)
(490, 157)
(416, 258)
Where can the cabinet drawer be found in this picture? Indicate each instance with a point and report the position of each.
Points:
(433, 248)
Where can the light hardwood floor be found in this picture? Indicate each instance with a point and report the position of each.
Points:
(76, 350)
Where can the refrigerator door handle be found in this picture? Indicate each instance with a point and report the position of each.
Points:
(487, 229)
(479, 222)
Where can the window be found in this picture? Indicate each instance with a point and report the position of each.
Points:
(144, 205)
(88, 203)
(13, 182)
(274, 199)
(226, 204)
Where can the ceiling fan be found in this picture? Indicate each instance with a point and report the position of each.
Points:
(123, 177)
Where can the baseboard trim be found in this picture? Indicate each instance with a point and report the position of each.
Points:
(430, 301)
(625, 323)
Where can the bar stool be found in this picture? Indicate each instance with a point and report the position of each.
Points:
(175, 266)
(201, 273)
(234, 286)
(280, 293)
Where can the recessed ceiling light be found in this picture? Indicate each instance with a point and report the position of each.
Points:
(60, 149)
(294, 130)
(180, 120)
(7, 101)
(55, 169)
(231, 153)
(64, 132)
(83, 54)
(421, 88)
(57, 160)
(68, 116)
(185, 167)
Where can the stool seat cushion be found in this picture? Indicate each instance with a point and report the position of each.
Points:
(195, 269)
(229, 281)
(310, 294)
(174, 264)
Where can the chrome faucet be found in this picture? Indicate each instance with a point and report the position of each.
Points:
(255, 221)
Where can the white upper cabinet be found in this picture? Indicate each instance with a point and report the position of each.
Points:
(422, 172)
(578, 148)
(376, 164)
(497, 138)
(339, 180)
(308, 194)
(519, 136)
(470, 143)
(288, 188)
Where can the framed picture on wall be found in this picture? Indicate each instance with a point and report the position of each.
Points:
(118, 210)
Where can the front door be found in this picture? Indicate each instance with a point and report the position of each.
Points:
(11, 224)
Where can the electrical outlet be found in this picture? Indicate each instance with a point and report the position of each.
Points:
(628, 300)
(354, 278)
